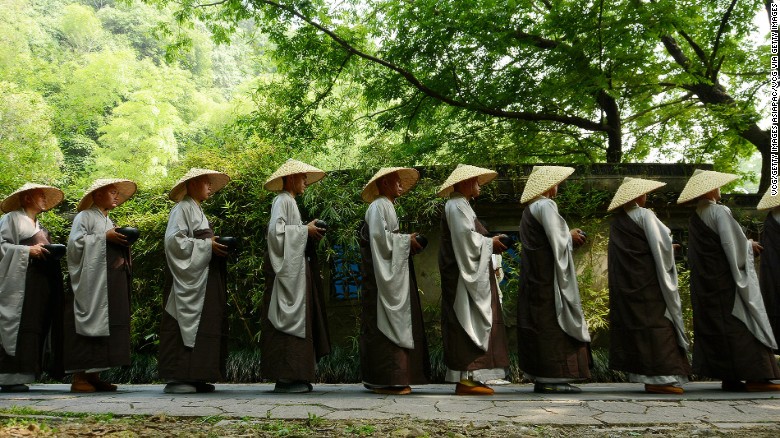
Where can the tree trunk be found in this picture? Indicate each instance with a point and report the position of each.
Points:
(609, 105)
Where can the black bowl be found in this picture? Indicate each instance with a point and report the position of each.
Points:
(506, 240)
(130, 233)
(230, 242)
(56, 250)
(422, 240)
(319, 223)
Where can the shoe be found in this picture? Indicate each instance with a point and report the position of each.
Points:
(763, 386)
(497, 382)
(81, 384)
(392, 390)
(100, 385)
(203, 386)
(556, 388)
(294, 387)
(14, 388)
(180, 388)
(663, 389)
(478, 389)
(732, 386)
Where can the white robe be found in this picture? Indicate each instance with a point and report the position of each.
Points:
(188, 260)
(568, 305)
(748, 301)
(473, 297)
(14, 259)
(390, 255)
(287, 236)
(87, 267)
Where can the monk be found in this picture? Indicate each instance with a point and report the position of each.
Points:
(553, 338)
(393, 345)
(294, 328)
(97, 314)
(647, 334)
(733, 337)
(30, 286)
(194, 327)
(770, 259)
(473, 331)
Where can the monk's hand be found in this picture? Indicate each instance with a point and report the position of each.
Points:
(38, 251)
(116, 237)
(415, 245)
(676, 248)
(313, 231)
(217, 248)
(577, 237)
(757, 248)
(498, 247)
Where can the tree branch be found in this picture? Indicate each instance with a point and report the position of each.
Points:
(712, 74)
(325, 93)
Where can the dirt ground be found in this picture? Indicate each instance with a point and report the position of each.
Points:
(163, 426)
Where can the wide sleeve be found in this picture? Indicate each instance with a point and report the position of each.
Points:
(473, 296)
(188, 261)
(87, 267)
(390, 255)
(568, 304)
(287, 238)
(14, 259)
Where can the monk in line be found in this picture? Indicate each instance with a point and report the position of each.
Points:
(393, 345)
(473, 331)
(553, 339)
(97, 314)
(770, 259)
(733, 337)
(647, 335)
(294, 328)
(194, 327)
(30, 286)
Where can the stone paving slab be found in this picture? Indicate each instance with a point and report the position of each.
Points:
(703, 404)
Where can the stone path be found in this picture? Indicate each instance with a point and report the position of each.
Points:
(599, 404)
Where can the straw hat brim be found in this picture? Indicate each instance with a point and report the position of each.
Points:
(218, 181)
(769, 201)
(465, 172)
(14, 202)
(542, 178)
(292, 167)
(631, 189)
(407, 175)
(125, 189)
(704, 181)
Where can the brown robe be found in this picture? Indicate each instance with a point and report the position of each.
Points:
(723, 346)
(85, 352)
(381, 361)
(286, 356)
(43, 291)
(205, 362)
(544, 349)
(642, 340)
(770, 267)
(460, 352)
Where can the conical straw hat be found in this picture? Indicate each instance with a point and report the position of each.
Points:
(542, 178)
(464, 172)
(13, 201)
(124, 187)
(218, 181)
(292, 167)
(704, 181)
(631, 189)
(407, 175)
(769, 201)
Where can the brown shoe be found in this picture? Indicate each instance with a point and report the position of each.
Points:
(478, 389)
(100, 385)
(732, 386)
(663, 389)
(761, 386)
(393, 390)
(80, 383)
